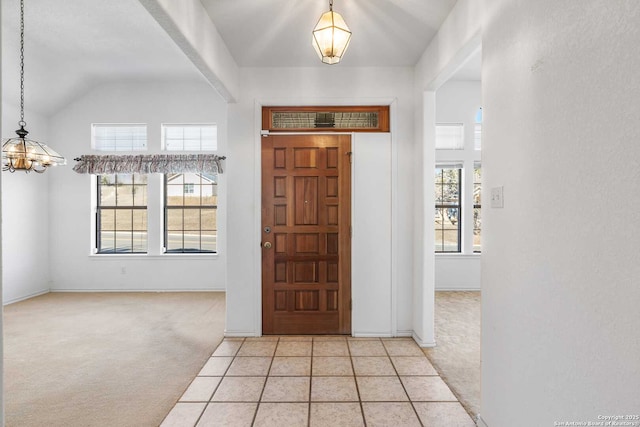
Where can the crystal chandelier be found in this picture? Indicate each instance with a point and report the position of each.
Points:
(21, 153)
(331, 36)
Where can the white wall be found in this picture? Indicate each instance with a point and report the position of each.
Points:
(560, 266)
(320, 86)
(458, 102)
(71, 211)
(372, 241)
(456, 39)
(25, 220)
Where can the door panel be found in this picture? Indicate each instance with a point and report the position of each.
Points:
(306, 220)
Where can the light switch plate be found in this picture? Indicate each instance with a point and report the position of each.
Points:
(497, 200)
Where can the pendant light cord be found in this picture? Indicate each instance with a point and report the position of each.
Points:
(22, 122)
(331, 5)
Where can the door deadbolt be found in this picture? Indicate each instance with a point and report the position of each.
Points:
(267, 245)
(267, 230)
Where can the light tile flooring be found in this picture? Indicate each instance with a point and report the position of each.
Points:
(318, 381)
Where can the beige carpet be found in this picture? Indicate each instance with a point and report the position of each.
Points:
(457, 354)
(105, 359)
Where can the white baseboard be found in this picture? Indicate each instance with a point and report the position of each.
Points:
(480, 422)
(422, 343)
(35, 294)
(459, 289)
(372, 335)
(241, 334)
(135, 290)
(404, 334)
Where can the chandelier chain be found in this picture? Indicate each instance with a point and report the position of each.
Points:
(331, 5)
(22, 122)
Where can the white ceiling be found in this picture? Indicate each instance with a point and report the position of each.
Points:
(73, 45)
(261, 33)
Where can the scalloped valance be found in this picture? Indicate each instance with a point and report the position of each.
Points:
(149, 163)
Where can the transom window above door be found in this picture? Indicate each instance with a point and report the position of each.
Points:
(337, 119)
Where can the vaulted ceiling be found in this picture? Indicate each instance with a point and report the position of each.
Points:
(273, 33)
(73, 45)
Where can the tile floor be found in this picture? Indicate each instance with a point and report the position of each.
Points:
(318, 381)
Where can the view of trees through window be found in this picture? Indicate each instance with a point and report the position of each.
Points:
(448, 211)
(121, 220)
(477, 205)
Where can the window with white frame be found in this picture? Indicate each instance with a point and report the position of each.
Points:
(477, 208)
(119, 137)
(477, 131)
(448, 215)
(191, 199)
(191, 203)
(121, 199)
(121, 214)
(449, 136)
(190, 137)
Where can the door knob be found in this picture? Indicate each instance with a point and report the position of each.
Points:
(267, 245)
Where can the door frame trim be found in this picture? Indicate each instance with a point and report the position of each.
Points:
(257, 222)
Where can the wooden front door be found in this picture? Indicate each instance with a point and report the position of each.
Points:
(306, 243)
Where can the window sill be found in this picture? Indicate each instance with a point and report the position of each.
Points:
(164, 257)
(458, 255)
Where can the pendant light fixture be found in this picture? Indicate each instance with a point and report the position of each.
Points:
(21, 153)
(331, 36)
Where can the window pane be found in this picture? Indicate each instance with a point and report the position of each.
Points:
(451, 176)
(124, 219)
(107, 219)
(139, 242)
(139, 195)
(477, 230)
(208, 219)
(107, 195)
(450, 240)
(188, 227)
(191, 242)
(174, 219)
(477, 137)
(192, 219)
(450, 137)
(209, 241)
(107, 241)
(174, 195)
(447, 213)
(449, 194)
(477, 207)
(124, 242)
(123, 178)
(174, 241)
(124, 195)
(140, 220)
(189, 137)
(110, 137)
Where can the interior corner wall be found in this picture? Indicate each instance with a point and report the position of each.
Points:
(73, 267)
(458, 102)
(25, 220)
(560, 265)
(455, 40)
(309, 86)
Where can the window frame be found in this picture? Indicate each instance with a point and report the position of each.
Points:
(461, 141)
(165, 220)
(131, 149)
(98, 217)
(444, 206)
(165, 126)
(477, 185)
